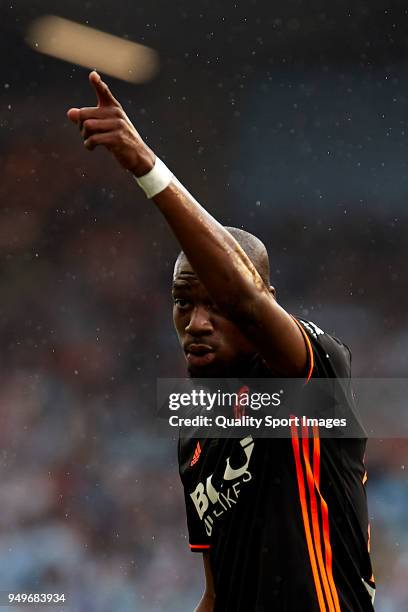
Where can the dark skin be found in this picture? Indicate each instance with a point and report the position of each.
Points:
(223, 312)
(213, 345)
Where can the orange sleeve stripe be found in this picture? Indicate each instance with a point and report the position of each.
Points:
(309, 349)
(204, 546)
(315, 519)
(305, 517)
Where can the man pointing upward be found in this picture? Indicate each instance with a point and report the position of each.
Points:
(282, 523)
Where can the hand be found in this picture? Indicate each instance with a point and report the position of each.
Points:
(108, 125)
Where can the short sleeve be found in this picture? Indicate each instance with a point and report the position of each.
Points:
(196, 500)
(199, 539)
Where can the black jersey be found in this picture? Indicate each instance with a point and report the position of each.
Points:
(284, 520)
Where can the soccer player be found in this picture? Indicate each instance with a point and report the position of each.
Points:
(281, 523)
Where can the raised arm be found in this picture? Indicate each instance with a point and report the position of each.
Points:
(220, 263)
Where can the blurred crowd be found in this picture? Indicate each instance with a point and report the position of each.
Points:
(91, 504)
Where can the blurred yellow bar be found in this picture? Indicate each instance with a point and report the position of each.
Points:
(85, 46)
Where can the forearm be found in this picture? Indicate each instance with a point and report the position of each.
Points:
(218, 260)
(226, 272)
(206, 603)
(221, 264)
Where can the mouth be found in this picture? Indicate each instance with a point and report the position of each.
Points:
(199, 355)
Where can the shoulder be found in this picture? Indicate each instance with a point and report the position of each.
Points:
(331, 357)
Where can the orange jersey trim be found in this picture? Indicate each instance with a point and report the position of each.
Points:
(325, 521)
(305, 517)
(203, 546)
(310, 477)
(308, 347)
(316, 455)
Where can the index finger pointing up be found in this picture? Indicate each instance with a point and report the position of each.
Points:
(103, 93)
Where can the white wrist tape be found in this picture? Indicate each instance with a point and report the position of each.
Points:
(157, 179)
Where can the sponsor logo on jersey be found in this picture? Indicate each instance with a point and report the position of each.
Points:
(211, 504)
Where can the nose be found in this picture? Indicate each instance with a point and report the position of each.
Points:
(200, 322)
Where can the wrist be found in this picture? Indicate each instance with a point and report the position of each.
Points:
(145, 164)
(155, 180)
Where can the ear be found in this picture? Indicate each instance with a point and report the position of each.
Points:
(272, 290)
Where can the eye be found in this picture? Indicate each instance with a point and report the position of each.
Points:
(181, 303)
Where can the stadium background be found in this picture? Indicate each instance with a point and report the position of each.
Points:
(287, 119)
